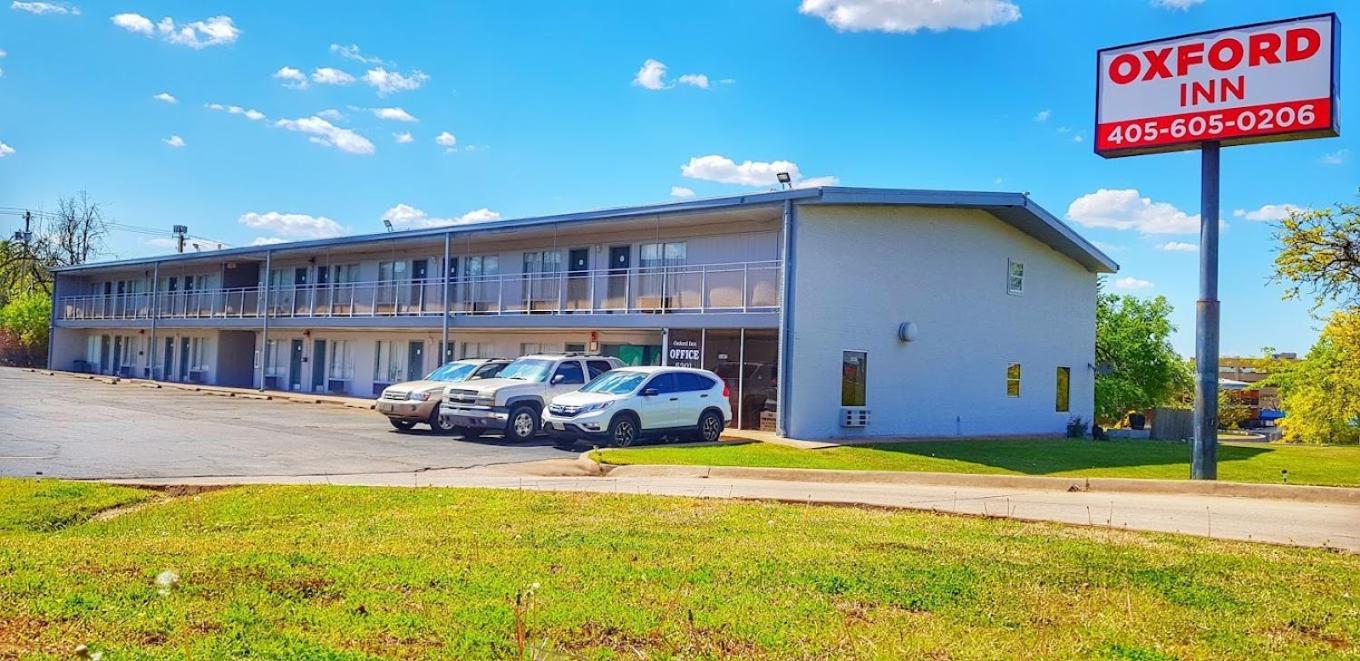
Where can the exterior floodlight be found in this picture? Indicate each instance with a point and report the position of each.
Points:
(785, 180)
(388, 224)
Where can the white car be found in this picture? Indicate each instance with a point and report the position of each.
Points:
(624, 405)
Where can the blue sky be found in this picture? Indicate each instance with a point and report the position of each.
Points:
(552, 107)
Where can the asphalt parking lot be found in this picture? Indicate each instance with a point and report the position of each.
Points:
(67, 427)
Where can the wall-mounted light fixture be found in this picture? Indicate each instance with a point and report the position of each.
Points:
(906, 331)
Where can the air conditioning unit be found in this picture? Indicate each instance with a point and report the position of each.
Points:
(854, 416)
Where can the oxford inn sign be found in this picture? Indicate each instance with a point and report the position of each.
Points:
(798, 299)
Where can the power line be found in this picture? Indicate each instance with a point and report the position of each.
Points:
(123, 227)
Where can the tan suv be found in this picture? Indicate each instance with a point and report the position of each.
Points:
(417, 402)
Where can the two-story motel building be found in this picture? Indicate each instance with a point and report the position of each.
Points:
(829, 311)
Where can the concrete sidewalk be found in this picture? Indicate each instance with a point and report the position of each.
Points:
(1325, 524)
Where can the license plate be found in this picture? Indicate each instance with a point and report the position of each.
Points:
(559, 426)
(468, 414)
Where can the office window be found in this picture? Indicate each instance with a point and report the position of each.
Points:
(388, 366)
(1015, 278)
(854, 378)
(1013, 380)
(1064, 389)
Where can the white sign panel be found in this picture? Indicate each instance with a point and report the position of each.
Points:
(1255, 83)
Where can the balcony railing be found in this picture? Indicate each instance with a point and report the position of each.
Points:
(701, 288)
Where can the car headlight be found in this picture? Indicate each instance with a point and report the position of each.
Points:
(597, 406)
(418, 396)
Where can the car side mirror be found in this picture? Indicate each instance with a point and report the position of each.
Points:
(650, 392)
(558, 378)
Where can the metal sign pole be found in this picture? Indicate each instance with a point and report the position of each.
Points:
(1204, 451)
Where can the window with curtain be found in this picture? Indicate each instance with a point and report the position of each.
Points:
(341, 363)
(1064, 389)
(388, 366)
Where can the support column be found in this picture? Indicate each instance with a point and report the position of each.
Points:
(264, 308)
(155, 315)
(1204, 452)
(444, 300)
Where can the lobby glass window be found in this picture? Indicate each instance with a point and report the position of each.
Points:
(1015, 278)
(854, 378)
(1064, 388)
(1013, 380)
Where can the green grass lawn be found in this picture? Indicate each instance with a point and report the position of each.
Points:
(1333, 466)
(352, 572)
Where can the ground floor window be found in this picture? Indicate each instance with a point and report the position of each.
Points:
(473, 350)
(746, 362)
(275, 358)
(1013, 380)
(854, 378)
(1064, 388)
(388, 363)
(341, 367)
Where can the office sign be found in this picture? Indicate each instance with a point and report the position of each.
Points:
(685, 348)
(1255, 83)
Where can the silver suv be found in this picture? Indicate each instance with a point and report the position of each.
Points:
(415, 402)
(513, 402)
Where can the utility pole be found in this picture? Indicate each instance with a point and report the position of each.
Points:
(180, 231)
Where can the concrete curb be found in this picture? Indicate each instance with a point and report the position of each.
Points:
(1298, 493)
(221, 391)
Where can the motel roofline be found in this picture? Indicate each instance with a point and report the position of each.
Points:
(1016, 209)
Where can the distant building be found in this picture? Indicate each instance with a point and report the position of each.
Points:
(1264, 401)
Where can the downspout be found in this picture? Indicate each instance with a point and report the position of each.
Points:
(444, 300)
(782, 389)
(155, 314)
(264, 305)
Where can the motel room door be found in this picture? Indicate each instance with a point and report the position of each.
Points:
(318, 363)
(415, 360)
(578, 279)
(620, 261)
(295, 366)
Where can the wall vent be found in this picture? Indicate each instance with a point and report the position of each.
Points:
(854, 416)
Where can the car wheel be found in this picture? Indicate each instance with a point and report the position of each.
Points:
(623, 430)
(522, 424)
(710, 426)
(401, 425)
(439, 424)
(468, 433)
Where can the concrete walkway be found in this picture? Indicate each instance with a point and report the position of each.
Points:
(1317, 524)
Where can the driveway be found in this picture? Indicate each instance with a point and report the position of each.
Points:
(67, 427)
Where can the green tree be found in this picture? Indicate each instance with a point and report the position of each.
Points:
(1321, 393)
(24, 324)
(1319, 255)
(1137, 368)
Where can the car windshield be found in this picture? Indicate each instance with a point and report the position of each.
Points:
(527, 369)
(452, 372)
(615, 383)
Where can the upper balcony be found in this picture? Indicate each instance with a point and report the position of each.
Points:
(736, 287)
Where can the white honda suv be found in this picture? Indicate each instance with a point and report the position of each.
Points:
(624, 405)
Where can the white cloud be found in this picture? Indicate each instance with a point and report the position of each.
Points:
(652, 76)
(251, 114)
(351, 52)
(1043, 115)
(748, 173)
(394, 114)
(174, 141)
(5, 150)
(1178, 246)
(909, 16)
(446, 140)
(45, 7)
(215, 31)
(1107, 247)
(1181, 5)
(1125, 209)
(331, 114)
(1338, 157)
(403, 138)
(405, 217)
(325, 133)
(681, 191)
(166, 97)
(266, 241)
(291, 78)
(695, 79)
(293, 225)
(387, 82)
(1132, 283)
(1268, 212)
(330, 76)
(134, 23)
(160, 242)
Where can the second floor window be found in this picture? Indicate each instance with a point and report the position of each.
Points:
(391, 271)
(1015, 278)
